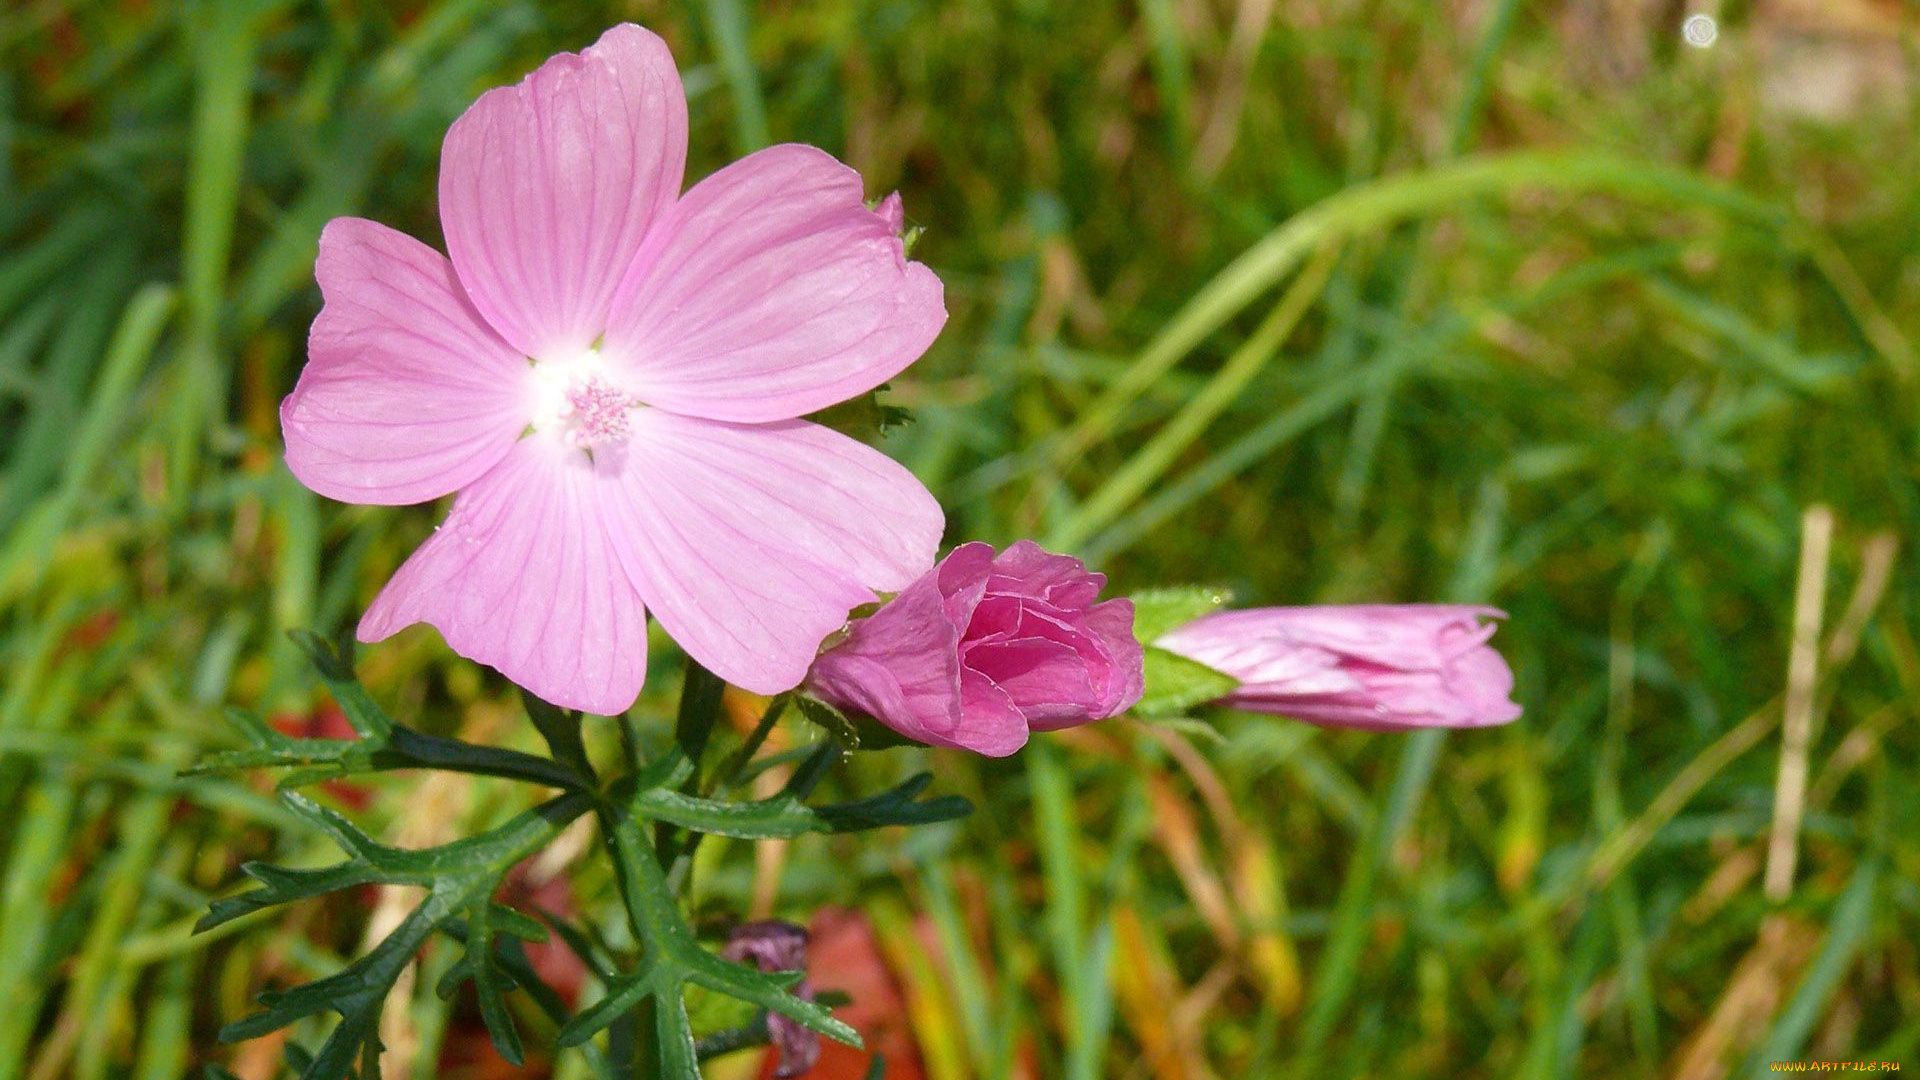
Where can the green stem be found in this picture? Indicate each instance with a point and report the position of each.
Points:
(700, 693)
(561, 729)
(654, 914)
(729, 772)
(646, 1049)
(651, 905)
(723, 782)
(699, 708)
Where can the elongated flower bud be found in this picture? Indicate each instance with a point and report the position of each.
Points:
(1384, 667)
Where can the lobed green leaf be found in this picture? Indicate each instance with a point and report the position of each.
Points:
(785, 815)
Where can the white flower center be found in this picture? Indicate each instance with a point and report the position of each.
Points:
(576, 399)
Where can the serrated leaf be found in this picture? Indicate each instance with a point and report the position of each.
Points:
(898, 805)
(458, 972)
(582, 944)
(491, 984)
(1157, 611)
(281, 886)
(767, 991)
(525, 927)
(623, 993)
(460, 878)
(383, 745)
(336, 670)
(785, 815)
(719, 1043)
(671, 958)
(271, 749)
(1176, 684)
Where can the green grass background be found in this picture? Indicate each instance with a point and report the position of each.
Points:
(1353, 300)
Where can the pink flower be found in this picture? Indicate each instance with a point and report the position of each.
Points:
(610, 373)
(1381, 667)
(984, 649)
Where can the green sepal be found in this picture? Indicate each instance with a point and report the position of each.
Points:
(829, 719)
(1157, 611)
(864, 417)
(1189, 726)
(853, 731)
(1176, 684)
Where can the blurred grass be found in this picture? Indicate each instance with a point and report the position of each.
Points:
(1324, 302)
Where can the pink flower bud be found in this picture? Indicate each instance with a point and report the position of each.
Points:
(1378, 667)
(985, 648)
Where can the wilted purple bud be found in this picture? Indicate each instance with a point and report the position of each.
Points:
(1384, 667)
(772, 945)
(984, 648)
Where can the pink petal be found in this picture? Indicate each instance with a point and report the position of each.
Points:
(751, 543)
(1410, 636)
(990, 723)
(1046, 680)
(893, 212)
(548, 187)
(523, 577)
(901, 666)
(1029, 570)
(1119, 677)
(771, 291)
(1483, 682)
(407, 393)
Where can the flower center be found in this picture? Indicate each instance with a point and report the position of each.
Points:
(598, 412)
(579, 402)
